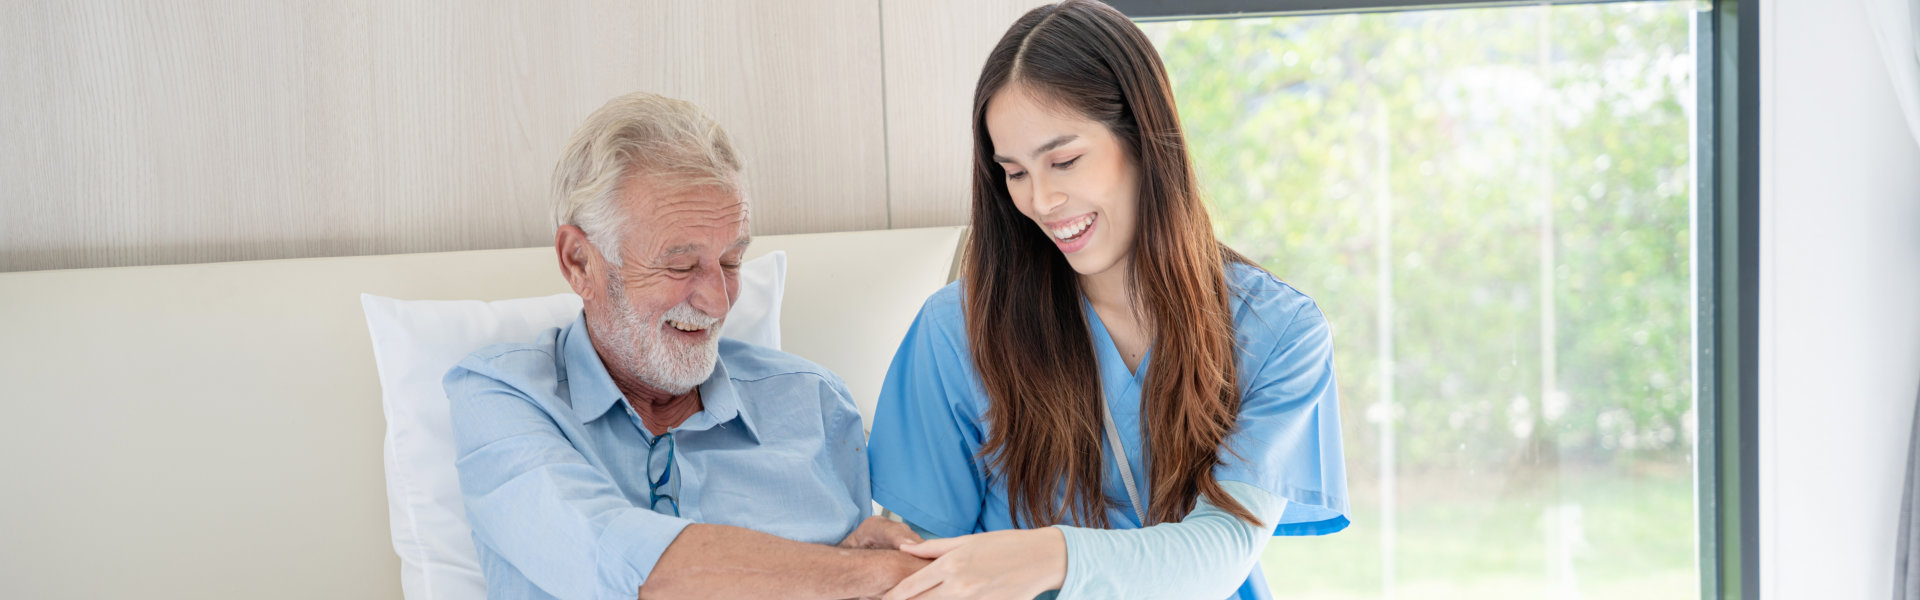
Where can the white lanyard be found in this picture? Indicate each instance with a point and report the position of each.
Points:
(1120, 457)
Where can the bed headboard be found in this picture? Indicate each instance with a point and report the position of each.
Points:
(214, 430)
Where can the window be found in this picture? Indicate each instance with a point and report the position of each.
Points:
(1494, 207)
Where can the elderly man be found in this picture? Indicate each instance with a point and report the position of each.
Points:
(635, 452)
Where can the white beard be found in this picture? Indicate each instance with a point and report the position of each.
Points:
(646, 351)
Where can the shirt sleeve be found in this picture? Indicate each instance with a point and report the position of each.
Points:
(1206, 555)
(924, 435)
(533, 499)
(846, 446)
(1287, 441)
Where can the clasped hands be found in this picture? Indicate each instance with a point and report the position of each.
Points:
(1020, 563)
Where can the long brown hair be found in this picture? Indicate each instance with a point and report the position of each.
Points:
(1030, 340)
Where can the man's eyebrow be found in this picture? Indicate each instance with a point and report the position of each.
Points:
(1044, 148)
(680, 249)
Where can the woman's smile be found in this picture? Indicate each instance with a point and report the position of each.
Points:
(1073, 234)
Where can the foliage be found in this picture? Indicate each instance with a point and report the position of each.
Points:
(1523, 174)
(1470, 123)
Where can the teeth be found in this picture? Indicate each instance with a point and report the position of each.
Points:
(689, 319)
(1072, 229)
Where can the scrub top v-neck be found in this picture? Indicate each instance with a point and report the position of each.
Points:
(1122, 388)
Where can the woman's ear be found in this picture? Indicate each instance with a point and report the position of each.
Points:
(580, 263)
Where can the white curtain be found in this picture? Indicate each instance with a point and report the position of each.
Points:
(1906, 556)
(1896, 25)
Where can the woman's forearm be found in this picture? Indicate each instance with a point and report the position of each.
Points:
(1206, 555)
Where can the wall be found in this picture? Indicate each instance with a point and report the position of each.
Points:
(1839, 303)
(136, 133)
(934, 51)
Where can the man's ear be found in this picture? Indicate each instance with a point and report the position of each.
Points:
(580, 263)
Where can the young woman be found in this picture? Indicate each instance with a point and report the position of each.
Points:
(1110, 402)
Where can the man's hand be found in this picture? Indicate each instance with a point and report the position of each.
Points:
(877, 533)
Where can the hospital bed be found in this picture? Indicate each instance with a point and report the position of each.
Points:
(215, 430)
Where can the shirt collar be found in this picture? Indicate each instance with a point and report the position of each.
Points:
(593, 391)
(719, 404)
(589, 387)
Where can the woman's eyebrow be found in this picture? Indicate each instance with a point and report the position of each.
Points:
(1051, 144)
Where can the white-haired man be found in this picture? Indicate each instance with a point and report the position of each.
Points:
(635, 452)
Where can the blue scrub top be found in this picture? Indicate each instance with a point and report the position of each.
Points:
(931, 419)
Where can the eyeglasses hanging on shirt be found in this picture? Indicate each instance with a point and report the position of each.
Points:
(660, 482)
(662, 489)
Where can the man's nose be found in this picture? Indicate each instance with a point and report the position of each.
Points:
(710, 293)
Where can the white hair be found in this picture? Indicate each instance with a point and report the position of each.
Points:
(667, 143)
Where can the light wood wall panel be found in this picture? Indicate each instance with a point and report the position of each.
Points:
(934, 52)
(139, 133)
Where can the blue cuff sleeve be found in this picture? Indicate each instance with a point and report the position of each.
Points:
(629, 548)
(926, 427)
(1287, 438)
(1206, 555)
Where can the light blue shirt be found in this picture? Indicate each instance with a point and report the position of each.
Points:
(930, 422)
(554, 465)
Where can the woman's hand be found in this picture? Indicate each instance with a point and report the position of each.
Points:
(1019, 563)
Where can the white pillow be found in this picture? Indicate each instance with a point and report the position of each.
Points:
(415, 343)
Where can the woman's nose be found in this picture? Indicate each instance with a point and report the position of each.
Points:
(1046, 198)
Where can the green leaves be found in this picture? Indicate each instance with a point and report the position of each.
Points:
(1472, 127)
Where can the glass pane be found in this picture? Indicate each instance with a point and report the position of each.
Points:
(1492, 207)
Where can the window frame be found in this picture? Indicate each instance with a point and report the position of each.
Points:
(1173, 10)
(1726, 256)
